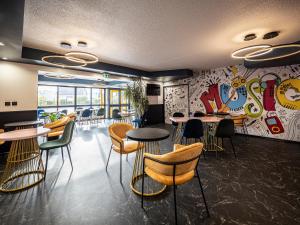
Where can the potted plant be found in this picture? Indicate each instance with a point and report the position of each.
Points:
(136, 94)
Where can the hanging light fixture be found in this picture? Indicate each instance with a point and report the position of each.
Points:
(76, 59)
(263, 49)
(252, 56)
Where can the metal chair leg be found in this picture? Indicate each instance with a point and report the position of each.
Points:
(62, 154)
(127, 157)
(208, 215)
(121, 168)
(108, 158)
(143, 178)
(233, 147)
(46, 165)
(175, 206)
(70, 156)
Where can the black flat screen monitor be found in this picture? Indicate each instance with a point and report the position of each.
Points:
(153, 89)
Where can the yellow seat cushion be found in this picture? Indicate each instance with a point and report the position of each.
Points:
(55, 133)
(129, 146)
(168, 180)
(1, 142)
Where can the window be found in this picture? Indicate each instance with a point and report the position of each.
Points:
(47, 96)
(124, 100)
(66, 96)
(114, 97)
(98, 97)
(83, 96)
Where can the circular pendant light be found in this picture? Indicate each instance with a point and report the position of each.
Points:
(88, 58)
(258, 50)
(252, 56)
(78, 62)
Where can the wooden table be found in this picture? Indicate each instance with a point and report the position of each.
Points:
(24, 167)
(148, 138)
(209, 124)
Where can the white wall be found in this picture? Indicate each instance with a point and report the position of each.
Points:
(18, 82)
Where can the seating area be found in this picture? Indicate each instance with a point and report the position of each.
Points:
(149, 112)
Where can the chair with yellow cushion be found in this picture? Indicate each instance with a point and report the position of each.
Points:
(57, 127)
(1, 142)
(174, 168)
(239, 121)
(117, 132)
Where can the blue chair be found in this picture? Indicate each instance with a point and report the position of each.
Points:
(86, 115)
(40, 114)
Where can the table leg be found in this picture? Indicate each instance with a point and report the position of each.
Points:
(24, 167)
(151, 187)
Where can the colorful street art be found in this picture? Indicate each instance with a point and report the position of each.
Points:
(270, 97)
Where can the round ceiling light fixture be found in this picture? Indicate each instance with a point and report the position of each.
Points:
(263, 49)
(65, 45)
(88, 58)
(48, 59)
(252, 56)
(82, 44)
(271, 35)
(250, 37)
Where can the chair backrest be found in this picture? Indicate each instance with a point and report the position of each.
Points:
(117, 132)
(86, 113)
(58, 123)
(225, 128)
(115, 114)
(185, 159)
(101, 112)
(193, 129)
(67, 135)
(72, 116)
(199, 114)
(177, 114)
(65, 111)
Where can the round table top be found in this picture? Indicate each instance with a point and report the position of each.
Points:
(148, 134)
(23, 134)
(205, 119)
(23, 123)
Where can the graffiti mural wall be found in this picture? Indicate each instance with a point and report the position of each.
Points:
(269, 97)
(176, 99)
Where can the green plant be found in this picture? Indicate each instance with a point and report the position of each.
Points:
(53, 116)
(136, 94)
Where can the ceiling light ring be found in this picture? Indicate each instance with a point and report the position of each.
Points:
(76, 55)
(251, 55)
(45, 58)
(262, 48)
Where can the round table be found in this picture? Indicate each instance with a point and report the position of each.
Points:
(148, 138)
(24, 167)
(23, 124)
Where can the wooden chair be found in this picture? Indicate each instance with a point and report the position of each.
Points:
(174, 168)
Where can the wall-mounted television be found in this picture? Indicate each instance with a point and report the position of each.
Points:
(153, 89)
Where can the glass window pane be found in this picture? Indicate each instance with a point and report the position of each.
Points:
(98, 96)
(66, 96)
(114, 97)
(83, 96)
(124, 100)
(47, 95)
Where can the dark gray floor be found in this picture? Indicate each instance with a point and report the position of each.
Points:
(262, 186)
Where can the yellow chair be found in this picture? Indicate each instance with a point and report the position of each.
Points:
(57, 127)
(174, 168)
(117, 132)
(1, 142)
(72, 116)
(239, 121)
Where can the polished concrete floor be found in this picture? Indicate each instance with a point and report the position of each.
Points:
(261, 186)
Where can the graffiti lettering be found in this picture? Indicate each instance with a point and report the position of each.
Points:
(211, 95)
(288, 94)
(238, 102)
(250, 108)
